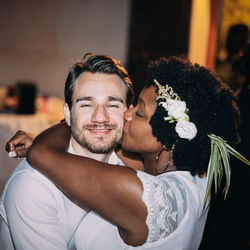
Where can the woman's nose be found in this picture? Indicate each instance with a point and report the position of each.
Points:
(128, 113)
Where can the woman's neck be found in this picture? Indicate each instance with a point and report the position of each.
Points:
(150, 161)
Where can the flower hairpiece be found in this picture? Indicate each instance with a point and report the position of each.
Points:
(177, 111)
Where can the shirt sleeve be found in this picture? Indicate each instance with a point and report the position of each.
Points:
(33, 215)
(166, 205)
(5, 238)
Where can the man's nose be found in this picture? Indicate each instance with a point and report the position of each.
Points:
(100, 114)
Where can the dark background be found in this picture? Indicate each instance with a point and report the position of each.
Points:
(157, 28)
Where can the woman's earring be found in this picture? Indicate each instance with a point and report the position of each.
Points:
(158, 172)
(164, 148)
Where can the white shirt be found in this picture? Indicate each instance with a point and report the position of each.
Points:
(35, 214)
(176, 218)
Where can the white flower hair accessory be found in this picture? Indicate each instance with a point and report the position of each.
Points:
(177, 111)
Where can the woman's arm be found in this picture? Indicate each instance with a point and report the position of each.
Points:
(113, 192)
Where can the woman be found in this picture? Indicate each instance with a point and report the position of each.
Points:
(171, 127)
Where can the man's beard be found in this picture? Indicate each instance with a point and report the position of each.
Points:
(96, 147)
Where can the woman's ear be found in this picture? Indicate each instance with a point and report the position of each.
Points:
(66, 112)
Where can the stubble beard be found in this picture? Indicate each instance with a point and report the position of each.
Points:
(97, 148)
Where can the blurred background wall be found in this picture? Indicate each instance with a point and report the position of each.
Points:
(40, 40)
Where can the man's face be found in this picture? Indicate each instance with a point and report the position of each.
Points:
(96, 117)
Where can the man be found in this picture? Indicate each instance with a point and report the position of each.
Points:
(35, 214)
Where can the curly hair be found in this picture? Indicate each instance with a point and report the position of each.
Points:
(212, 108)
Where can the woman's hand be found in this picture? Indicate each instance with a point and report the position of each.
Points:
(19, 144)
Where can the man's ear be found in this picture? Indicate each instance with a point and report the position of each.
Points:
(66, 112)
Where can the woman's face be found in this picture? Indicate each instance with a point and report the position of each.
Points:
(137, 132)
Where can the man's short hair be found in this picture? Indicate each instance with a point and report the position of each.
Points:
(97, 64)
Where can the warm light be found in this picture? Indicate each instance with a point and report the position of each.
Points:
(199, 31)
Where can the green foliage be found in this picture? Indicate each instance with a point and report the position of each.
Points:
(220, 159)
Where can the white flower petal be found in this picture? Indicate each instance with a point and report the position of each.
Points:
(186, 130)
(177, 109)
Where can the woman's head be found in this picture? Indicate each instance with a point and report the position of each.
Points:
(210, 106)
(207, 105)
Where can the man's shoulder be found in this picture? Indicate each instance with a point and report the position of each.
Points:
(25, 171)
(22, 166)
(26, 181)
(27, 188)
(114, 159)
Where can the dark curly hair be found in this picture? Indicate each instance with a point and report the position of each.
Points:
(212, 108)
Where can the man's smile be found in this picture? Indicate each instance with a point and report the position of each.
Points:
(100, 131)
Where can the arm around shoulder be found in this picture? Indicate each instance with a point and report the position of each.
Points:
(89, 181)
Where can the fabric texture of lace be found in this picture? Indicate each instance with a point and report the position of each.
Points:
(161, 197)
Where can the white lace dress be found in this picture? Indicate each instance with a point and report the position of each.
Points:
(175, 219)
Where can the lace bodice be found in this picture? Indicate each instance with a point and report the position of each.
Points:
(176, 216)
(166, 204)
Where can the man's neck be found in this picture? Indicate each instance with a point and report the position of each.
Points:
(82, 151)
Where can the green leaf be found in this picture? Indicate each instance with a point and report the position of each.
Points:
(220, 151)
(226, 163)
(217, 173)
(220, 170)
(237, 154)
(210, 173)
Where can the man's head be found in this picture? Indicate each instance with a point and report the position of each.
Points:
(97, 92)
(97, 64)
